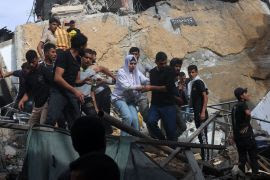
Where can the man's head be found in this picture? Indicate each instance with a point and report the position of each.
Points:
(72, 24)
(88, 135)
(87, 58)
(241, 94)
(53, 24)
(32, 58)
(135, 51)
(192, 71)
(161, 60)
(182, 77)
(79, 43)
(26, 68)
(50, 52)
(94, 166)
(176, 63)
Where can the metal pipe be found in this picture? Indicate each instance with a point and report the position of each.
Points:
(179, 144)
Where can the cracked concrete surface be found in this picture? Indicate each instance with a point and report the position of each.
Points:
(225, 40)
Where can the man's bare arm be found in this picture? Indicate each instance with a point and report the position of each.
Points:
(7, 74)
(39, 49)
(205, 101)
(22, 101)
(153, 88)
(58, 78)
(104, 70)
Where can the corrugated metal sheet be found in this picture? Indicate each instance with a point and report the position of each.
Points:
(262, 111)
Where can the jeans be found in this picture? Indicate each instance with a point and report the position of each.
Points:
(88, 107)
(168, 116)
(180, 122)
(62, 103)
(128, 113)
(103, 100)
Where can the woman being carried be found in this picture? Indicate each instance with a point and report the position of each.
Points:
(126, 93)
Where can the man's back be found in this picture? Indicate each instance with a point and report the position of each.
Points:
(38, 84)
(240, 120)
(71, 66)
(164, 77)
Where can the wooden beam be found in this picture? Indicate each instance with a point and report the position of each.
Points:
(197, 172)
(190, 138)
(117, 123)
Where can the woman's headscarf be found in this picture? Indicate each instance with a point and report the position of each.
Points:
(135, 72)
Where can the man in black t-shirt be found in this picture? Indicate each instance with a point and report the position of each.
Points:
(162, 85)
(198, 95)
(64, 97)
(37, 85)
(21, 74)
(242, 131)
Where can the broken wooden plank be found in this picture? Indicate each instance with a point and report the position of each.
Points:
(213, 137)
(189, 176)
(193, 136)
(117, 123)
(264, 160)
(197, 172)
(263, 166)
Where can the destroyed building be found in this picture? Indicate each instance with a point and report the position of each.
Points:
(228, 41)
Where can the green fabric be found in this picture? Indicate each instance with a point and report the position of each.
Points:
(49, 154)
(119, 151)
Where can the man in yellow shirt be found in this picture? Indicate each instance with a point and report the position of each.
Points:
(56, 35)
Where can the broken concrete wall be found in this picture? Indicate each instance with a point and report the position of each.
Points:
(222, 43)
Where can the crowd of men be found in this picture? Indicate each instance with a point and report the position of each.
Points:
(64, 82)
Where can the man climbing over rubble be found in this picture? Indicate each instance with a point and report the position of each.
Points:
(102, 90)
(243, 132)
(162, 85)
(63, 94)
(37, 85)
(176, 63)
(98, 88)
(198, 98)
(21, 74)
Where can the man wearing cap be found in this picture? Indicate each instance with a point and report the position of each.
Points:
(243, 132)
(72, 30)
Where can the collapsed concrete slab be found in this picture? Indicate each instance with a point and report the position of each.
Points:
(221, 43)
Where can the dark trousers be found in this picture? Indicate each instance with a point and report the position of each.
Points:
(62, 103)
(247, 146)
(103, 100)
(88, 107)
(168, 116)
(203, 135)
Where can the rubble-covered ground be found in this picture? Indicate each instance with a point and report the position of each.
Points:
(12, 149)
